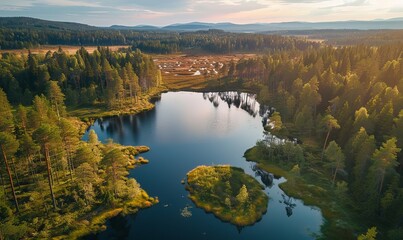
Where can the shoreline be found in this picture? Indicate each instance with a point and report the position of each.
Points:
(90, 113)
(322, 197)
(94, 222)
(295, 186)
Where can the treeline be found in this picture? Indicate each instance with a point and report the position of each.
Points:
(350, 101)
(52, 183)
(217, 41)
(105, 76)
(11, 38)
(212, 41)
(350, 37)
(356, 37)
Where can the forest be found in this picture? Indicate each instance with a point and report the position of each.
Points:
(18, 33)
(114, 78)
(51, 180)
(349, 37)
(345, 106)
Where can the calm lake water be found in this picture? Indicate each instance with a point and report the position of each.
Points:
(186, 130)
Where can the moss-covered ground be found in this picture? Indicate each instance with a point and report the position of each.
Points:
(228, 193)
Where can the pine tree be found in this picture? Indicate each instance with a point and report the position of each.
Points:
(86, 154)
(86, 179)
(8, 142)
(22, 118)
(384, 161)
(56, 97)
(275, 119)
(362, 120)
(41, 107)
(8, 147)
(6, 116)
(243, 195)
(115, 163)
(70, 138)
(398, 133)
(330, 123)
(369, 235)
(92, 137)
(133, 81)
(335, 159)
(362, 148)
(46, 135)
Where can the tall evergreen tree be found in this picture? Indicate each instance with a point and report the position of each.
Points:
(115, 163)
(56, 97)
(8, 147)
(335, 158)
(6, 116)
(384, 161)
(329, 123)
(45, 135)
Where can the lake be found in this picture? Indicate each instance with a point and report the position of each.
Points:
(187, 129)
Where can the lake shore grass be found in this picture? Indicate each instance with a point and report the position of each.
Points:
(99, 110)
(228, 193)
(314, 189)
(100, 216)
(179, 83)
(94, 221)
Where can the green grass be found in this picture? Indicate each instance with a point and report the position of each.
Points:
(215, 189)
(99, 110)
(314, 188)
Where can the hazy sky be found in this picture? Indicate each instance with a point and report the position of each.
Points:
(164, 12)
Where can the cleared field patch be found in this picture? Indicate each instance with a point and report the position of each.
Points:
(67, 48)
(194, 72)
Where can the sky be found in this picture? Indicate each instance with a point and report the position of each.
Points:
(165, 12)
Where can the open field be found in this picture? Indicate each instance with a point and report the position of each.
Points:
(182, 71)
(67, 48)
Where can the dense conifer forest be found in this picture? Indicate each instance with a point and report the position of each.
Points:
(85, 78)
(17, 33)
(51, 180)
(345, 106)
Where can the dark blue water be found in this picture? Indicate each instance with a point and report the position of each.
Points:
(186, 130)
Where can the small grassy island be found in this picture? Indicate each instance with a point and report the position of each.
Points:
(228, 193)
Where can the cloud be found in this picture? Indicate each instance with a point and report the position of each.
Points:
(353, 3)
(396, 10)
(302, 1)
(67, 3)
(156, 4)
(158, 12)
(216, 7)
(15, 6)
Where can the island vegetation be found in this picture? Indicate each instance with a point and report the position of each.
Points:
(228, 193)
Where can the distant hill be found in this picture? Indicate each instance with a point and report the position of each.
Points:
(24, 32)
(138, 28)
(33, 23)
(396, 23)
